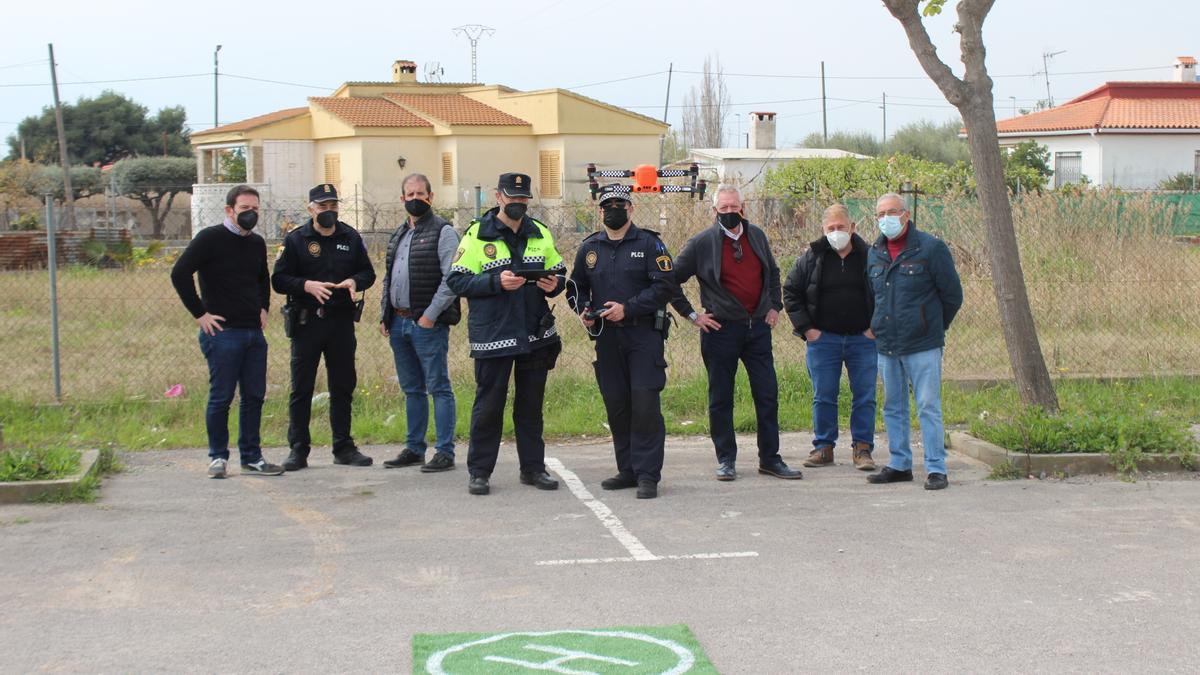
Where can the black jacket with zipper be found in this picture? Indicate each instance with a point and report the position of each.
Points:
(701, 258)
(802, 288)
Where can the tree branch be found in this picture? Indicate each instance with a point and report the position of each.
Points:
(971, 14)
(906, 12)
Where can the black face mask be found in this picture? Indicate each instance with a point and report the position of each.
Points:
(247, 220)
(729, 221)
(416, 207)
(515, 210)
(615, 218)
(327, 219)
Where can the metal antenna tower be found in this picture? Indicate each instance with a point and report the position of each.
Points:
(473, 32)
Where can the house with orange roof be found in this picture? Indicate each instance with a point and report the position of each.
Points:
(366, 136)
(1129, 135)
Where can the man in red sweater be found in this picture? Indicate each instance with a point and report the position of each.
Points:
(740, 291)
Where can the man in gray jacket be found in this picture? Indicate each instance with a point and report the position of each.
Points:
(740, 291)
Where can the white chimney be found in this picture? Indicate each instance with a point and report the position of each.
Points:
(762, 130)
(1185, 69)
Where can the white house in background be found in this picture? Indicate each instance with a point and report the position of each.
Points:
(747, 167)
(1123, 134)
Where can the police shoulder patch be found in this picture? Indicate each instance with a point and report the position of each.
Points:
(590, 259)
(314, 249)
(459, 254)
(664, 263)
(489, 250)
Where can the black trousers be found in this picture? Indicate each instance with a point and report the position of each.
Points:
(632, 372)
(529, 372)
(333, 338)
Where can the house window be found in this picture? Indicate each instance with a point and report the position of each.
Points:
(333, 170)
(1068, 168)
(447, 168)
(550, 174)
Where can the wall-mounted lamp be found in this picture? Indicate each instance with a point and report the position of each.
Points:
(401, 161)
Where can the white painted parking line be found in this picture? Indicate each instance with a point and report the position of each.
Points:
(637, 550)
(605, 514)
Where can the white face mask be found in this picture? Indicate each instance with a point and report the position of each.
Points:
(838, 239)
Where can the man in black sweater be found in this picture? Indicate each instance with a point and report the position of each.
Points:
(231, 311)
(324, 264)
(830, 304)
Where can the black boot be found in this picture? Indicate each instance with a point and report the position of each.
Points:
(352, 457)
(296, 460)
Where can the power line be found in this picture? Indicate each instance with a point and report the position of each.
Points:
(25, 64)
(916, 77)
(128, 79)
(622, 79)
(290, 84)
(731, 105)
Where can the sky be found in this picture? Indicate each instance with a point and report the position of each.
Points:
(275, 54)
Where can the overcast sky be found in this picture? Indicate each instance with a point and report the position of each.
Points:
(310, 48)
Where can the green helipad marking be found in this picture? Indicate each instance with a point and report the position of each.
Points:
(639, 650)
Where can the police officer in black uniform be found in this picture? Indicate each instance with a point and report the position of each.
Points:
(625, 274)
(324, 264)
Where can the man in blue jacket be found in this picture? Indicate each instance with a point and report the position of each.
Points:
(917, 293)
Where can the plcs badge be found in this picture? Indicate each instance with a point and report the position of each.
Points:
(590, 259)
(490, 251)
(314, 249)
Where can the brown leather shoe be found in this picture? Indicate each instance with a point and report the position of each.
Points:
(862, 457)
(822, 456)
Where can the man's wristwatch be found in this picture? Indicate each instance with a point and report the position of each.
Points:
(693, 316)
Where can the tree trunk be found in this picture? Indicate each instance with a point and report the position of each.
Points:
(1008, 282)
(972, 95)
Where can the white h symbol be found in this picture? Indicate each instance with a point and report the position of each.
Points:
(564, 656)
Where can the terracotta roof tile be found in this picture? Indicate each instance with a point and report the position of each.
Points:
(456, 109)
(369, 112)
(253, 122)
(1117, 105)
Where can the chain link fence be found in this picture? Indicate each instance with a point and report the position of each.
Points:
(1114, 289)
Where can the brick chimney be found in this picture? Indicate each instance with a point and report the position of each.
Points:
(762, 130)
(1185, 69)
(404, 71)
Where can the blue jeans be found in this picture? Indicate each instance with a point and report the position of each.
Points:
(237, 359)
(721, 351)
(423, 369)
(923, 371)
(825, 358)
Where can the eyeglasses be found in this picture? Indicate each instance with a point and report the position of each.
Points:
(889, 212)
(737, 250)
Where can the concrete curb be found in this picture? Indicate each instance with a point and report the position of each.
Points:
(1070, 464)
(23, 491)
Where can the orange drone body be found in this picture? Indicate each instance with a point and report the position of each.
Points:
(645, 178)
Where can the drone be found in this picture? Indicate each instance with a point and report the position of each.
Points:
(645, 179)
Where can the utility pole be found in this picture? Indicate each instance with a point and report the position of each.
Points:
(216, 89)
(1014, 101)
(824, 119)
(473, 32)
(662, 142)
(1046, 56)
(884, 108)
(64, 158)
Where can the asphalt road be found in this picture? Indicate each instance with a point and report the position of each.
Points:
(335, 568)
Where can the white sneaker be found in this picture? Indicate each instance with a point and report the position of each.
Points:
(217, 468)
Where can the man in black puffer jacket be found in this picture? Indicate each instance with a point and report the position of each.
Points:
(418, 309)
(828, 298)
